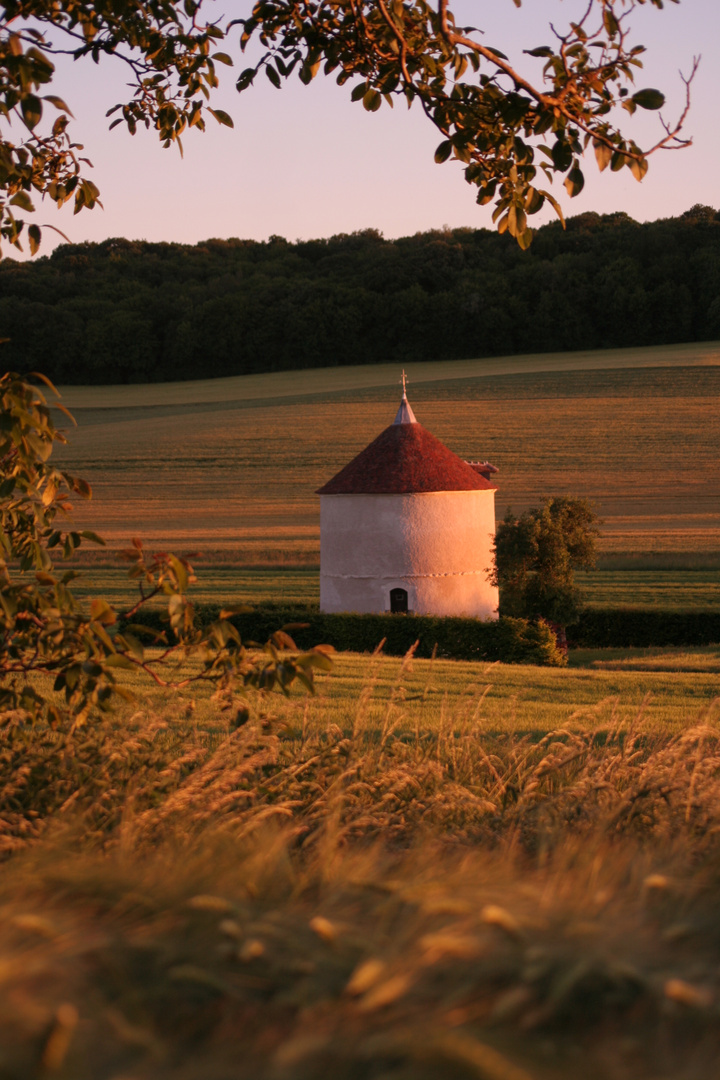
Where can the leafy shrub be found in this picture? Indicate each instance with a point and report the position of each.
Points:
(537, 554)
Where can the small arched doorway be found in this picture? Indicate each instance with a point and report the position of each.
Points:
(399, 601)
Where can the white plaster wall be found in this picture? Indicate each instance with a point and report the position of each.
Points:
(436, 545)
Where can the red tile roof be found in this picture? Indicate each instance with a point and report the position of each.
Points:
(405, 459)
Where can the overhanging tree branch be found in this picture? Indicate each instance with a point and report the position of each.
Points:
(493, 116)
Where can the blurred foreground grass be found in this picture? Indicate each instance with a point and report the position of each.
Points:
(431, 870)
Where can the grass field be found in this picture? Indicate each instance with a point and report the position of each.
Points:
(339, 380)
(234, 467)
(222, 584)
(670, 589)
(215, 585)
(670, 688)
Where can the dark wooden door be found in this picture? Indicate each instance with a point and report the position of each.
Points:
(399, 600)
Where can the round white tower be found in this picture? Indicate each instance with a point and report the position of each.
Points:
(408, 526)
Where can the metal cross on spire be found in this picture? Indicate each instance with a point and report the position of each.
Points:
(405, 415)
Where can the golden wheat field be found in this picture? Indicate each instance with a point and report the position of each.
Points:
(233, 468)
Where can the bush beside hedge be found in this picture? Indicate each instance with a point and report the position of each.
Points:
(621, 628)
(513, 641)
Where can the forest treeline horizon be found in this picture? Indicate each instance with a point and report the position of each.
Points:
(131, 311)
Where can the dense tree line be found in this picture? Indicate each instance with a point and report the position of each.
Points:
(130, 311)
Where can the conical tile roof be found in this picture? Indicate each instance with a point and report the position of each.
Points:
(405, 459)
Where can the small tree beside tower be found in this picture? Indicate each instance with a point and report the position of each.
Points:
(536, 556)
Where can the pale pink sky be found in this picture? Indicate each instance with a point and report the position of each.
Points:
(305, 162)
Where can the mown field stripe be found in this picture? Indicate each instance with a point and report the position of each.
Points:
(287, 384)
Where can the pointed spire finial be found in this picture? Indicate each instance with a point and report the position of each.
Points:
(405, 415)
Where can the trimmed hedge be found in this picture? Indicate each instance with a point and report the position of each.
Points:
(513, 641)
(621, 628)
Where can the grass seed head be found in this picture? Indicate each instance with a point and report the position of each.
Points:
(365, 975)
(58, 1043)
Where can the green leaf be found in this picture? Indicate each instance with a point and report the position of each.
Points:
(308, 71)
(223, 58)
(525, 238)
(315, 659)
(272, 76)
(638, 168)
(60, 104)
(88, 534)
(443, 151)
(372, 100)
(574, 182)
(23, 200)
(101, 612)
(486, 194)
(133, 646)
(555, 205)
(542, 50)
(180, 571)
(603, 154)
(119, 661)
(517, 221)
(649, 99)
(283, 640)
(34, 237)
(561, 155)
(610, 23)
(235, 609)
(306, 680)
(222, 117)
(31, 108)
(534, 201)
(245, 80)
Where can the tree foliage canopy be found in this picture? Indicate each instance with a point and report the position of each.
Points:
(536, 556)
(513, 124)
(131, 311)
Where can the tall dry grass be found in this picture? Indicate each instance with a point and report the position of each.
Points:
(383, 778)
(291, 900)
